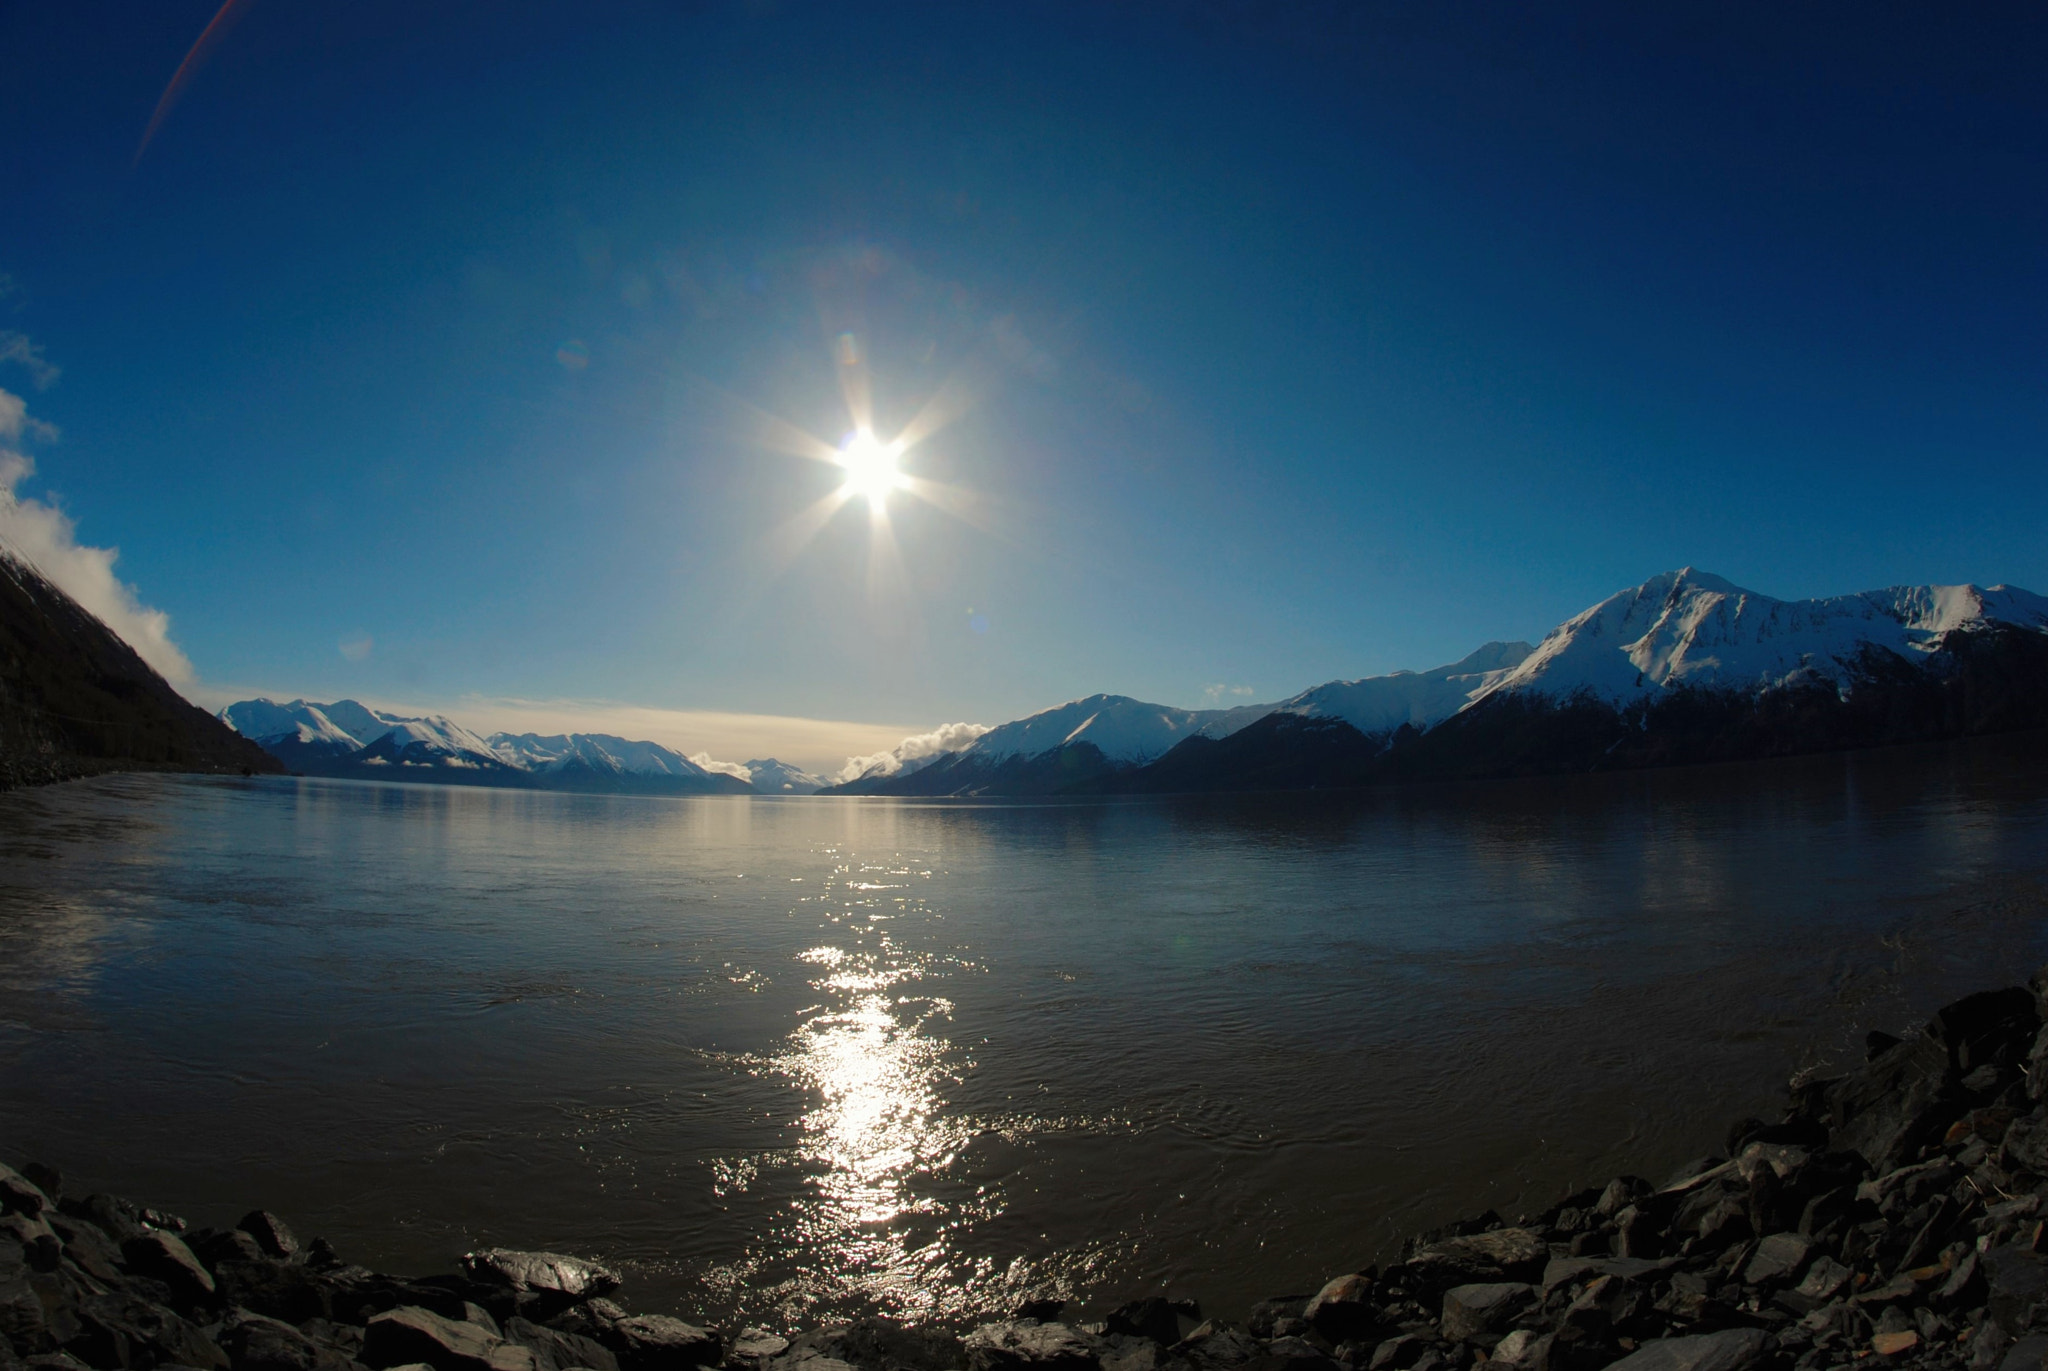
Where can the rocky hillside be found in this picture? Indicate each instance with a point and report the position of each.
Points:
(76, 700)
(1894, 1216)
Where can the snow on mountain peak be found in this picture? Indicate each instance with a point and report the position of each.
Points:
(1688, 627)
(1124, 729)
(1380, 704)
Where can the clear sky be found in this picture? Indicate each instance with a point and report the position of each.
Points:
(427, 352)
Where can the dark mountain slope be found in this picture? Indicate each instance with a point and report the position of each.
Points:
(75, 700)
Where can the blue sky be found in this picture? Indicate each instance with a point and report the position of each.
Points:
(421, 355)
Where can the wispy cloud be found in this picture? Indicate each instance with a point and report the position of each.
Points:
(1218, 693)
(45, 537)
(16, 347)
(889, 761)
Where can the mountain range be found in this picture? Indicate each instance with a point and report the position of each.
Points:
(1686, 667)
(350, 739)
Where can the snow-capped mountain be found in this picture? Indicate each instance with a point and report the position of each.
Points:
(1691, 628)
(1379, 704)
(1122, 729)
(598, 752)
(348, 738)
(771, 777)
(1685, 667)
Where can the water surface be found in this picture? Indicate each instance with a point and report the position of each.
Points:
(781, 1056)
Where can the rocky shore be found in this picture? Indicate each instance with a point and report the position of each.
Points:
(1894, 1215)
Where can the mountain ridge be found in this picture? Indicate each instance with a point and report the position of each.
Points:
(75, 700)
(1685, 667)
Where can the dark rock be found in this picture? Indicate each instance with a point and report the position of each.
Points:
(1476, 1313)
(1153, 1318)
(558, 1351)
(2028, 1354)
(1524, 1349)
(1778, 1259)
(2025, 1145)
(1888, 1108)
(276, 1289)
(1398, 1353)
(164, 1256)
(751, 1347)
(1729, 1350)
(1216, 1344)
(255, 1343)
(408, 1334)
(1510, 1254)
(213, 1247)
(542, 1273)
(1621, 1192)
(2016, 1280)
(20, 1195)
(1266, 1314)
(1024, 1346)
(119, 1329)
(1343, 1308)
(879, 1344)
(47, 1179)
(656, 1342)
(1994, 1027)
(271, 1234)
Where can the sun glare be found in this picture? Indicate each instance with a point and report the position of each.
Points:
(871, 467)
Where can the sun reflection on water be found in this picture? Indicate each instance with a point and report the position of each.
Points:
(874, 1215)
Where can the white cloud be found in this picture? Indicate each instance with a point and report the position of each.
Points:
(1215, 694)
(44, 536)
(357, 648)
(15, 347)
(705, 760)
(944, 738)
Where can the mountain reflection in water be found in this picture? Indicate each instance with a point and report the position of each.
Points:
(778, 1057)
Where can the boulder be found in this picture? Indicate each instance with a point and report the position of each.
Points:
(879, 1344)
(656, 1342)
(1779, 1258)
(1153, 1318)
(555, 1350)
(1398, 1353)
(1525, 1350)
(20, 1195)
(1026, 1346)
(279, 1289)
(1730, 1350)
(1505, 1254)
(1478, 1313)
(164, 1257)
(549, 1279)
(270, 1234)
(255, 1343)
(122, 1329)
(412, 1334)
(1343, 1308)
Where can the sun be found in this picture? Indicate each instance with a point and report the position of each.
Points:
(871, 467)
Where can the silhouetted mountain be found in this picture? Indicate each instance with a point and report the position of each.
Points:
(75, 700)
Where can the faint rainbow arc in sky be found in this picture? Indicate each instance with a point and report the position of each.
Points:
(207, 38)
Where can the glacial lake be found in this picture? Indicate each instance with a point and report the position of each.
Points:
(782, 1057)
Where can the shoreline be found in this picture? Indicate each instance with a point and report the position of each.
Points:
(1894, 1214)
